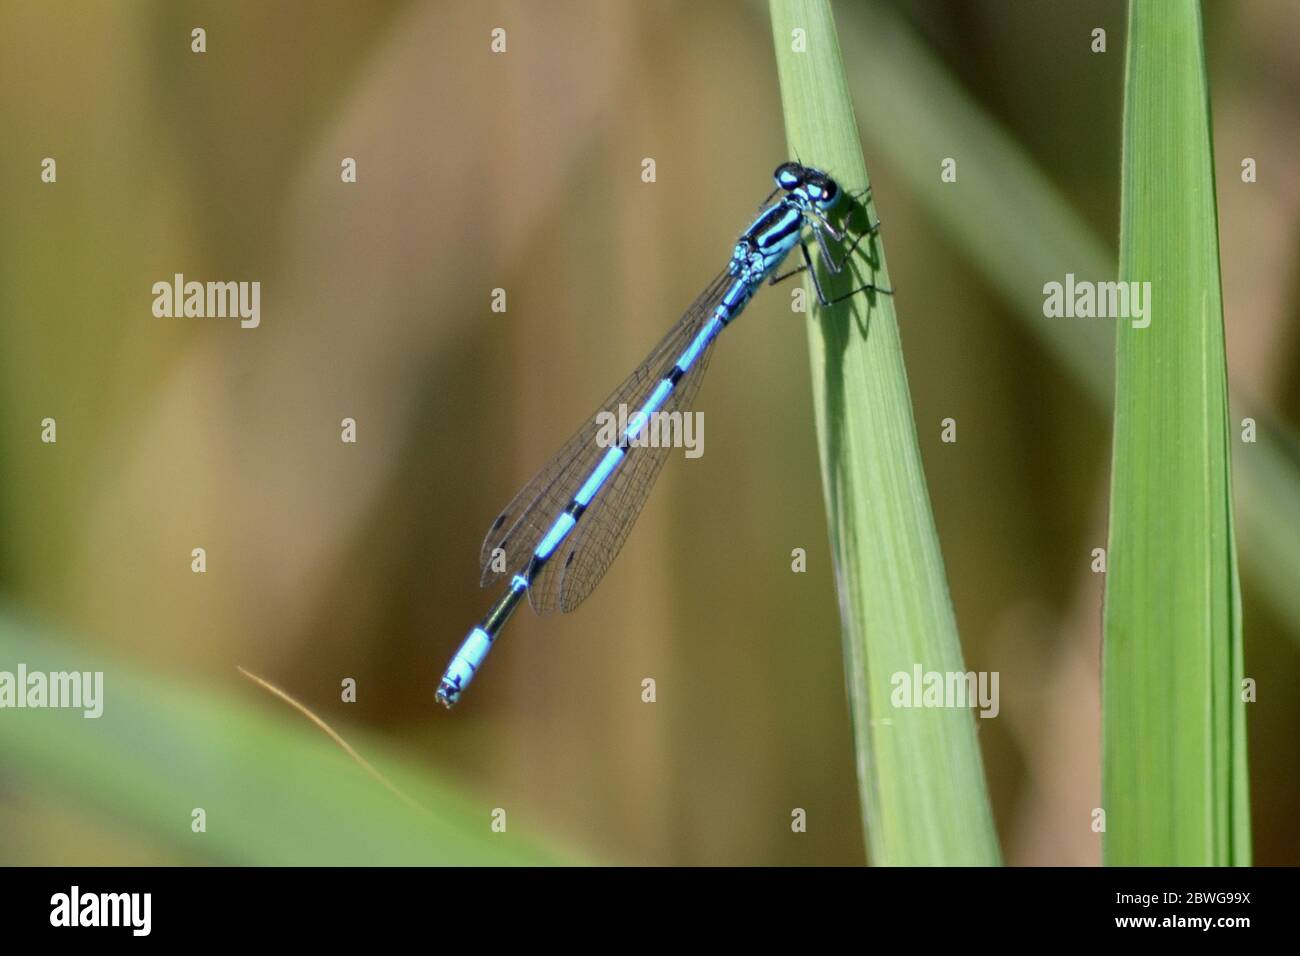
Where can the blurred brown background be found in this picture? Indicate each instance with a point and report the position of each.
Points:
(522, 171)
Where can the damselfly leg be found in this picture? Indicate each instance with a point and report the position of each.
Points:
(821, 228)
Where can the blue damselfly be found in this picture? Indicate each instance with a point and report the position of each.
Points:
(561, 532)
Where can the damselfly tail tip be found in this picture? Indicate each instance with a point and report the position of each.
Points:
(448, 694)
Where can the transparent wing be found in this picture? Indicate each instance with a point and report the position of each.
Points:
(523, 522)
(582, 559)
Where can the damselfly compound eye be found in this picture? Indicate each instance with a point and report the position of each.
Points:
(788, 175)
(821, 189)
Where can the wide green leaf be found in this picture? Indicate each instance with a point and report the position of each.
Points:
(1173, 723)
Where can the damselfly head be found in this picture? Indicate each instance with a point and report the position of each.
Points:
(808, 184)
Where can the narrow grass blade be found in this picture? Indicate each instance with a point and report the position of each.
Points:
(1173, 723)
(919, 769)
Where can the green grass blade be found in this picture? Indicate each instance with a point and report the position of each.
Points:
(1174, 763)
(1016, 228)
(920, 773)
(274, 789)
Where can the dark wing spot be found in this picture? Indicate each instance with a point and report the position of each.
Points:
(569, 560)
(501, 519)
